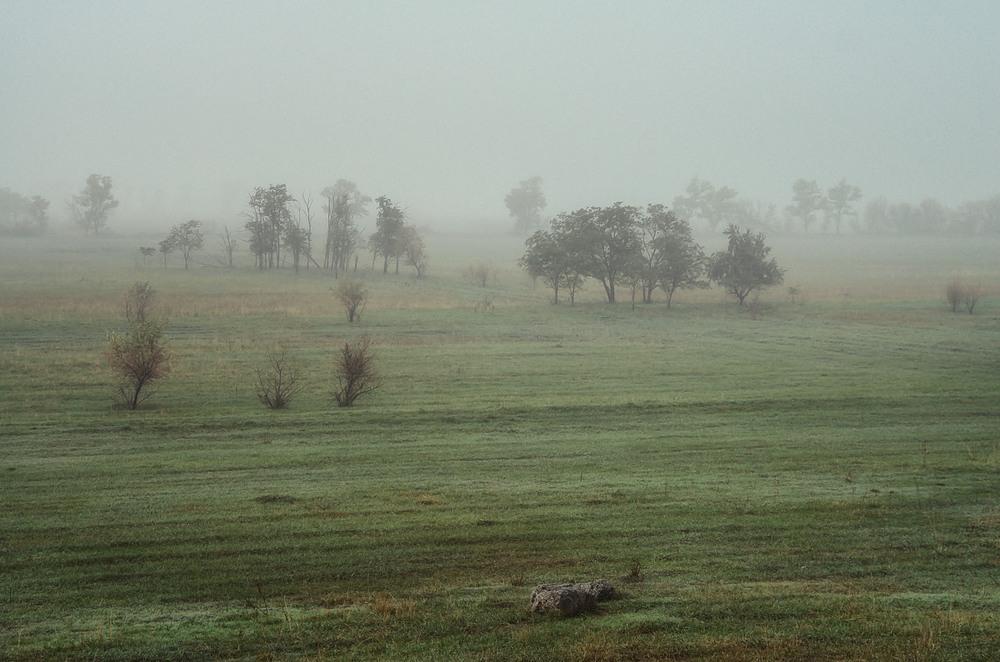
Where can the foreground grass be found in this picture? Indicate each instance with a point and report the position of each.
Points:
(818, 485)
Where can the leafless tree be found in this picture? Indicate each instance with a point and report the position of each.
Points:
(971, 297)
(139, 299)
(356, 371)
(228, 244)
(954, 291)
(279, 381)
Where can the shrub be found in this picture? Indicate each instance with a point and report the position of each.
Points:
(138, 357)
(959, 293)
(139, 299)
(279, 381)
(356, 372)
(353, 295)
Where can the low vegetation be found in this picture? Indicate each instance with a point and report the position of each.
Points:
(818, 485)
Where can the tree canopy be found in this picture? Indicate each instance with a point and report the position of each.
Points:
(744, 266)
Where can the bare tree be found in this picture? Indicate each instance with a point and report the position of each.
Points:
(228, 244)
(356, 371)
(354, 296)
(971, 297)
(139, 299)
(279, 381)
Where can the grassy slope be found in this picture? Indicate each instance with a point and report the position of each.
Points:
(819, 484)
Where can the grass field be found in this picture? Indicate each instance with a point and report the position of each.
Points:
(821, 483)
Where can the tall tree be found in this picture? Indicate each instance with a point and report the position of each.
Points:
(841, 199)
(744, 266)
(94, 203)
(807, 200)
(681, 263)
(525, 203)
(606, 242)
(344, 204)
(385, 241)
(268, 219)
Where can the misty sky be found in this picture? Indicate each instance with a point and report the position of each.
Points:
(444, 106)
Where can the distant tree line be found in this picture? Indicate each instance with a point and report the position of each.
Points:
(833, 210)
(22, 216)
(642, 250)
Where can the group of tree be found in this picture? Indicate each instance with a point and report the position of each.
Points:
(185, 237)
(279, 226)
(21, 216)
(271, 225)
(810, 203)
(394, 239)
(344, 205)
(619, 246)
(930, 217)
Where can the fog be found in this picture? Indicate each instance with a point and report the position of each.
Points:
(445, 106)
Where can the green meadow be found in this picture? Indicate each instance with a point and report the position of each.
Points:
(817, 482)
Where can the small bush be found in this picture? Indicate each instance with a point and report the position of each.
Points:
(279, 381)
(138, 357)
(353, 295)
(139, 299)
(356, 372)
(962, 294)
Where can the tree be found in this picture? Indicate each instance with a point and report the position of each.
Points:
(296, 240)
(344, 204)
(137, 357)
(146, 252)
(186, 237)
(525, 203)
(548, 257)
(279, 381)
(744, 266)
(268, 221)
(414, 252)
(139, 300)
(688, 207)
(755, 214)
(682, 261)
(605, 242)
(91, 207)
(356, 371)
(704, 201)
(354, 297)
(876, 216)
(166, 247)
(22, 216)
(807, 199)
(385, 240)
(668, 258)
(841, 199)
(228, 244)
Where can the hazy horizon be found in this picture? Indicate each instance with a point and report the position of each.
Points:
(445, 106)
